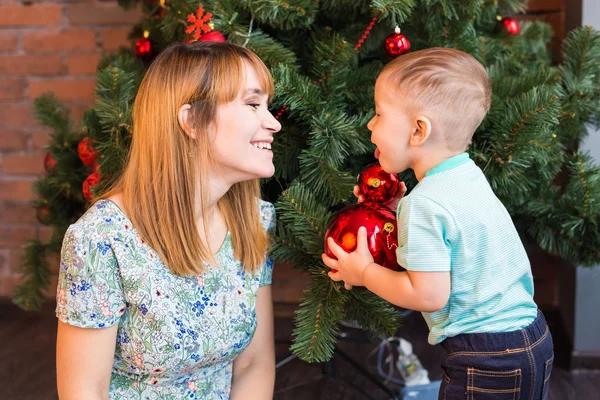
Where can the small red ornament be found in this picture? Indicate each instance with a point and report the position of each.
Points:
(143, 48)
(49, 162)
(89, 182)
(212, 36)
(199, 24)
(382, 232)
(42, 214)
(377, 185)
(511, 25)
(161, 12)
(86, 152)
(396, 44)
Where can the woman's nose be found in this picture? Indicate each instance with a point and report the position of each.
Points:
(270, 123)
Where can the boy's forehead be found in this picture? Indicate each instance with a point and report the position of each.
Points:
(384, 77)
(384, 81)
(384, 90)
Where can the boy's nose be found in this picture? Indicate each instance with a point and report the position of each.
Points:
(370, 124)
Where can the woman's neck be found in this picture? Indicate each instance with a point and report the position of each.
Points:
(217, 188)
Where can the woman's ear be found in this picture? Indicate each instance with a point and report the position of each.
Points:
(421, 131)
(183, 117)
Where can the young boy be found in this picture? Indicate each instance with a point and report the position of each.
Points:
(466, 268)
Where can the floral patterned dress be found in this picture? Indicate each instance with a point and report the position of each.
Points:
(177, 336)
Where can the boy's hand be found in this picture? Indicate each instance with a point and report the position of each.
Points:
(349, 266)
(393, 205)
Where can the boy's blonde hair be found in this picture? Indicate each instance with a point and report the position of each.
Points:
(167, 168)
(450, 86)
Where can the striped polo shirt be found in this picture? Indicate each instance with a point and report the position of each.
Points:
(452, 221)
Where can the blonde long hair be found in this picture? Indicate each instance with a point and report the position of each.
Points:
(166, 169)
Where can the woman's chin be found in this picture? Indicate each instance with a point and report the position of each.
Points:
(268, 172)
(264, 172)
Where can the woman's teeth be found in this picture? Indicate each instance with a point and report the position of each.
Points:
(262, 145)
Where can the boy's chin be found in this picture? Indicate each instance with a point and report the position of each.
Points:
(390, 169)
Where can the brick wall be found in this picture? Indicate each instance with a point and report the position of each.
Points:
(45, 45)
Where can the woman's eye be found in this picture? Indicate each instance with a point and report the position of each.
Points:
(254, 105)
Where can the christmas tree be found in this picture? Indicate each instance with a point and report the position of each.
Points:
(325, 57)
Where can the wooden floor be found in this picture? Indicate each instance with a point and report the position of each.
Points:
(27, 369)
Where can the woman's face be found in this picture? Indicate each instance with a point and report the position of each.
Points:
(244, 132)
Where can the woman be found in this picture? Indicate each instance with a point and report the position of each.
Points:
(164, 289)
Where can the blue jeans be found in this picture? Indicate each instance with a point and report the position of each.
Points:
(512, 365)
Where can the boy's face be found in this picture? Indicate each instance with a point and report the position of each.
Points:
(390, 128)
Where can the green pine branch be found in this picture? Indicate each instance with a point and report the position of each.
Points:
(30, 294)
(267, 48)
(329, 183)
(110, 121)
(51, 113)
(580, 212)
(395, 11)
(286, 150)
(317, 319)
(305, 215)
(580, 72)
(296, 91)
(372, 312)
(286, 15)
(522, 134)
(287, 247)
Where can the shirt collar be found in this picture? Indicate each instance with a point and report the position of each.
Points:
(450, 163)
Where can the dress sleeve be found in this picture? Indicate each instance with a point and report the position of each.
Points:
(90, 292)
(267, 212)
(425, 235)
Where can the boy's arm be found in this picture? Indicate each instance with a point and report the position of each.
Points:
(419, 291)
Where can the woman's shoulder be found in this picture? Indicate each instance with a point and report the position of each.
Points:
(91, 238)
(102, 216)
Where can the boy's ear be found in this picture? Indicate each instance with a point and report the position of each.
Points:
(421, 131)
(183, 117)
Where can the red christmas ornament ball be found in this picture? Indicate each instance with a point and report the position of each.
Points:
(377, 185)
(511, 26)
(89, 182)
(42, 215)
(86, 152)
(212, 36)
(143, 48)
(382, 232)
(49, 162)
(396, 44)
